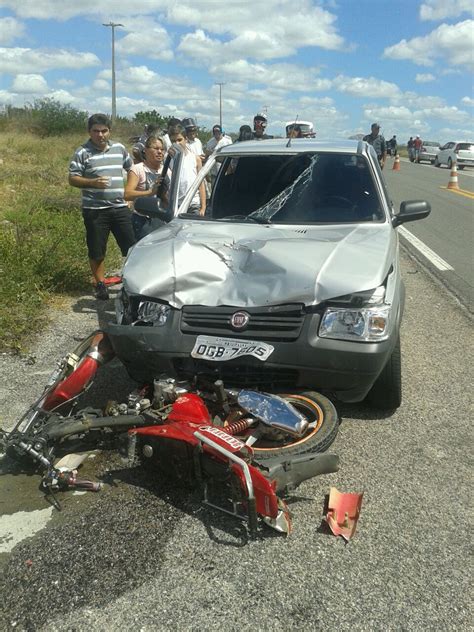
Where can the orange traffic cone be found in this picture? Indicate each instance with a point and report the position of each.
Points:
(396, 163)
(453, 178)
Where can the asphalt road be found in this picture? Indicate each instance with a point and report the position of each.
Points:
(141, 555)
(449, 230)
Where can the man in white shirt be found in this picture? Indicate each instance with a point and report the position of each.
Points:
(218, 140)
(192, 140)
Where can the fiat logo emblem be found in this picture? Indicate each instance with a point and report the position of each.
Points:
(239, 320)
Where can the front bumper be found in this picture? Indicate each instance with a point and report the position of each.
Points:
(344, 368)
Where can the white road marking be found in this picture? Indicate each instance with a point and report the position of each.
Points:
(435, 259)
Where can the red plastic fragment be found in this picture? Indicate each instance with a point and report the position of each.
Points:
(343, 513)
(112, 280)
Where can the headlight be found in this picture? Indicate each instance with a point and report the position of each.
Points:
(368, 324)
(154, 313)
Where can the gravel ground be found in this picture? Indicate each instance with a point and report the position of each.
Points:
(143, 555)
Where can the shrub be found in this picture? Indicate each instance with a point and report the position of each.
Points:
(52, 118)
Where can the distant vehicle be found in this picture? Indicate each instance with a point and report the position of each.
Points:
(429, 151)
(461, 152)
(307, 129)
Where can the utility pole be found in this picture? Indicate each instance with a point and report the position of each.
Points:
(220, 84)
(113, 25)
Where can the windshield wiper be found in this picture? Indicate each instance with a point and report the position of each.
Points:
(244, 218)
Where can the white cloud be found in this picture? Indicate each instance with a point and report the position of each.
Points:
(453, 43)
(441, 9)
(412, 100)
(285, 27)
(468, 100)
(10, 30)
(65, 82)
(455, 133)
(14, 60)
(282, 77)
(447, 113)
(64, 10)
(101, 84)
(390, 113)
(424, 77)
(366, 87)
(146, 38)
(30, 84)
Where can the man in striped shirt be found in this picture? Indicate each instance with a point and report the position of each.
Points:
(97, 169)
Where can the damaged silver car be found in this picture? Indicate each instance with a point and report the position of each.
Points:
(290, 281)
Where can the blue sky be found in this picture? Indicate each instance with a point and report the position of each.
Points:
(340, 63)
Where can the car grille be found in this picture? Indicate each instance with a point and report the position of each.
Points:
(238, 376)
(282, 322)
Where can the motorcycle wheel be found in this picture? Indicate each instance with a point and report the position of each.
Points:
(323, 427)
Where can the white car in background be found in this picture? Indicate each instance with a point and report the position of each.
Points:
(428, 152)
(461, 152)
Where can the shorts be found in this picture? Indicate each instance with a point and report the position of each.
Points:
(100, 222)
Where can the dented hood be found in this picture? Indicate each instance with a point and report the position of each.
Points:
(247, 265)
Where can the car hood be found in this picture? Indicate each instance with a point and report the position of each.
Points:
(247, 265)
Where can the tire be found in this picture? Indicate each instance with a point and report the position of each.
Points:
(386, 393)
(433, 162)
(450, 163)
(324, 426)
(436, 162)
(461, 168)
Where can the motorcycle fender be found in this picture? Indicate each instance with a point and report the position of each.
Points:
(73, 384)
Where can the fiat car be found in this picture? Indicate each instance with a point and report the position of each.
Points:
(291, 280)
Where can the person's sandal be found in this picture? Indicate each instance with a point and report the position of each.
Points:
(101, 291)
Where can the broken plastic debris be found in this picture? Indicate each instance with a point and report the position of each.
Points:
(71, 462)
(343, 513)
(112, 280)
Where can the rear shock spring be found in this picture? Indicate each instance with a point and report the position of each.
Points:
(237, 427)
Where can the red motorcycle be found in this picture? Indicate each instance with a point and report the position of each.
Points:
(245, 449)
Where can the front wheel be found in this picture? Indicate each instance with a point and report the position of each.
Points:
(322, 430)
(437, 163)
(450, 163)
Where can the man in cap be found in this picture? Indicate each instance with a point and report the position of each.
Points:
(259, 127)
(378, 143)
(192, 140)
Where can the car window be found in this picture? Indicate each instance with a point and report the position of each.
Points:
(465, 147)
(300, 188)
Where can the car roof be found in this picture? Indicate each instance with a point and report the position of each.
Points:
(297, 145)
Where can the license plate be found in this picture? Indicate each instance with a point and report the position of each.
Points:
(221, 349)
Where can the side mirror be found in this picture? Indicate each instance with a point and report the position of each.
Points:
(150, 206)
(411, 211)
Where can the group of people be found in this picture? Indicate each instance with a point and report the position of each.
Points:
(414, 146)
(108, 205)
